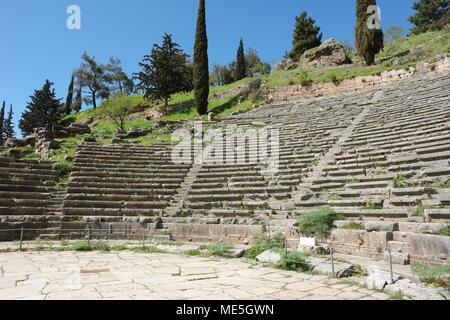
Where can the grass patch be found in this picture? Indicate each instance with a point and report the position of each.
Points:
(445, 185)
(434, 276)
(398, 295)
(354, 226)
(146, 249)
(445, 231)
(219, 249)
(317, 223)
(92, 246)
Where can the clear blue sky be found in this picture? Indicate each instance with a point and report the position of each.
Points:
(36, 44)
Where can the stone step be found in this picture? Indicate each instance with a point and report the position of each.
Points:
(118, 197)
(25, 211)
(118, 191)
(115, 204)
(111, 212)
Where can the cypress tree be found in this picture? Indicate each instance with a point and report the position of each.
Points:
(69, 99)
(201, 71)
(368, 41)
(8, 126)
(43, 110)
(2, 120)
(240, 63)
(76, 106)
(306, 36)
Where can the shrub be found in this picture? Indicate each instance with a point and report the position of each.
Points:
(318, 222)
(263, 240)
(293, 260)
(82, 246)
(118, 108)
(64, 168)
(253, 252)
(219, 249)
(253, 90)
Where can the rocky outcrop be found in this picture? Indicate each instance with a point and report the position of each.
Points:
(284, 65)
(328, 54)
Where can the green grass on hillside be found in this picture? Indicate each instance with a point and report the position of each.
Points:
(432, 43)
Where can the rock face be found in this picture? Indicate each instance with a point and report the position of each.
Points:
(284, 65)
(328, 54)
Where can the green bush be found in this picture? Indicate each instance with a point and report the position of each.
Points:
(293, 260)
(253, 252)
(64, 168)
(82, 246)
(219, 249)
(263, 240)
(317, 223)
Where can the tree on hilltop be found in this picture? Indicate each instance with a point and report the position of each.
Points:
(42, 111)
(241, 68)
(368, 33)
(2, 120)
(306, 36)
(201, 71)
(430, 15)
(165, 71)
(119, 80)
(8, 125)
(69, 99)
(92, 75)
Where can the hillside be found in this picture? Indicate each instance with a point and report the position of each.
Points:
(400, 54)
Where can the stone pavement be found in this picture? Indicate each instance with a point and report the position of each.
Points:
(129, 275)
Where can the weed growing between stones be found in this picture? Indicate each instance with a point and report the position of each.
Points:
(294, 261)
(372, 206)
(445, 231)
(354, 226)
(319, 222)
(434, 276)
(92, 246)
(219, 249)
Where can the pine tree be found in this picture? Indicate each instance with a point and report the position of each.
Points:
(41, 111)
(165, 71)
(368, 41)
(69, 99)
(8, 126)
(2, 121)
(431, 15)
(240, 63)
(306, 36)
(201, 71)
(92, 75)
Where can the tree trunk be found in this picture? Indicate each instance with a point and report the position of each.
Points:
(94, 103)
(166, 102)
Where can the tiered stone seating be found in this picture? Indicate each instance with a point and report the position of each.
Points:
(25, 194)
(119, 180)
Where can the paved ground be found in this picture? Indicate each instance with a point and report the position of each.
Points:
(130, 275)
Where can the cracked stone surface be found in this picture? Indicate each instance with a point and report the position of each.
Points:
(130, 275)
